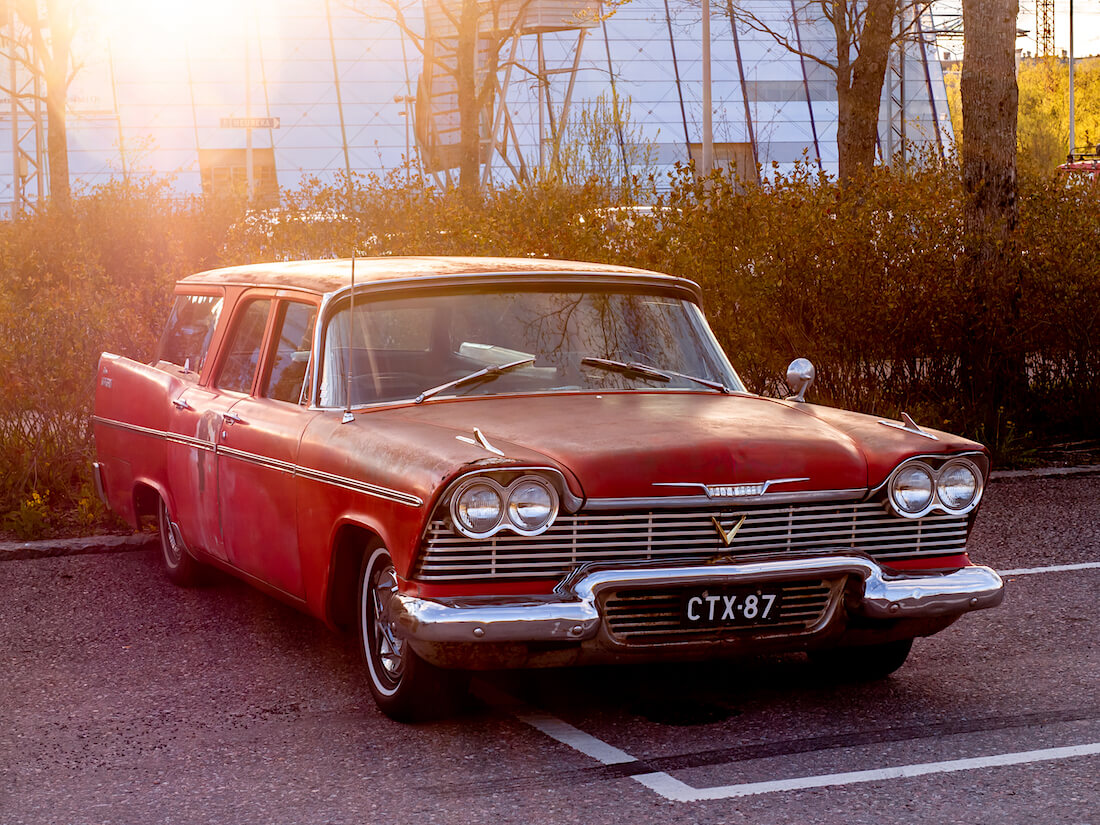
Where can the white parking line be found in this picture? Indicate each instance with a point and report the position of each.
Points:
(674, 790)
(1056, 568)
(577, 739)
(677, 791)
(553, 727)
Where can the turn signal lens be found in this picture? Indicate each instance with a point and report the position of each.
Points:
(532, 505)
(479, 507)
(913, 489)
(958, 485)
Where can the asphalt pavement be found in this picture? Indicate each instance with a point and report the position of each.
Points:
(127, 700)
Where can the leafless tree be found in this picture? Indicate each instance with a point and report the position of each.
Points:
(481, 29)
(865, 31)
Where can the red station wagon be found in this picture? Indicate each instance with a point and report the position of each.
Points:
(483, 463)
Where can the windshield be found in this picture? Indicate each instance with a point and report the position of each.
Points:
(402, 348)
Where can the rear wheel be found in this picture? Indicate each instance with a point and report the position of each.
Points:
(404, 686)
(179, 565)
(866, 663)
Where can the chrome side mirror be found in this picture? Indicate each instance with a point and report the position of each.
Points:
(800, 377)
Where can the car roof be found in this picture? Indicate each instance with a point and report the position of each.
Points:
(333, 275)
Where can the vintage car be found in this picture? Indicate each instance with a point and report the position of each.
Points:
(481, 463)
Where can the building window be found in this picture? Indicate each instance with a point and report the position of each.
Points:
(225, 172)
(729, 156)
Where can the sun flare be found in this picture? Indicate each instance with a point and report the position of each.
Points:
(167, 21)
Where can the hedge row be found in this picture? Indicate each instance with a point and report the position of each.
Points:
(869, 282)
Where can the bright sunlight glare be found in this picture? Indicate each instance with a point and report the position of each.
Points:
(165, 21)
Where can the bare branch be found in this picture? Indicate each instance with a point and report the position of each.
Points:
(397, 17)
(753, 22)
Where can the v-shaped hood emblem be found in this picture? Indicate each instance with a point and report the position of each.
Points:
(727, 537)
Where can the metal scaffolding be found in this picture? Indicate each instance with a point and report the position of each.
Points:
(438, 122)
(1044, 28)
(26, 116)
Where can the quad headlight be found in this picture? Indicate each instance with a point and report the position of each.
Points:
(916, 488)
(913, 489)
(958, 485)
(478, 507)
(481, 507)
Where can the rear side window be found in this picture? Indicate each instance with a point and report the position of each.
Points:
(242, 355)
(293, 341)
(190, 327)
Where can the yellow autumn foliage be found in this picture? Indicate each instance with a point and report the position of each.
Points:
(868, 281)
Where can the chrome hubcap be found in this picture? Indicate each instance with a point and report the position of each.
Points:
(173, 553)
(389, 648)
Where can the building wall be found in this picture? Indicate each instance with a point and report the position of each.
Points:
(149, 100)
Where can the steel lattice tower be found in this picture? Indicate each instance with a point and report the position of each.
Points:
(1044, 28)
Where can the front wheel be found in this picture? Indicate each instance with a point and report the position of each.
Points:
(405, 687)
(179, 565)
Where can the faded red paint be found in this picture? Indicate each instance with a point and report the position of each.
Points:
(276, 526)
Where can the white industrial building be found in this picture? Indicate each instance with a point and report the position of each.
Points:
(296, 89)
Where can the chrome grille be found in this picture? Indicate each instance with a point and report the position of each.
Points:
(673, 535)
(655, 615)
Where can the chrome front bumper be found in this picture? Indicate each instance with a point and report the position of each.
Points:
(573, 615)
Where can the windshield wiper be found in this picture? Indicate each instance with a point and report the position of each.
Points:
(486, 374)
(637, 370)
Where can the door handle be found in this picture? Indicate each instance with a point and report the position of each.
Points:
(232, 418)
(181, 404)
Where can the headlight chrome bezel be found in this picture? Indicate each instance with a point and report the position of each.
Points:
(936, 503)
(505, 493)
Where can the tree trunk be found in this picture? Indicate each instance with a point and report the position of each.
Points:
(57, 144)
(52, 39)
(859, 87)
(989, 103)
(469, 113)
(993, 370)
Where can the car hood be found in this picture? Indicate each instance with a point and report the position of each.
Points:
(627, 445)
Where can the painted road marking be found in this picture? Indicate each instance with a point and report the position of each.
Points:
(1056, 568)
(677, 791)
(553, 727)
(576, 738)
(674, 790)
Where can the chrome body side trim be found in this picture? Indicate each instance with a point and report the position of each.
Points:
(355, 485)
(576, 617)
(258, 460)
(173, 438)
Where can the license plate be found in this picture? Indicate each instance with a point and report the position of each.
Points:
(736, 607)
